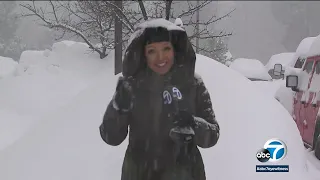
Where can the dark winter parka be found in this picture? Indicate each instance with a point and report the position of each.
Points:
(150, 154)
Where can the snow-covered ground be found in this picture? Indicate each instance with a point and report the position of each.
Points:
(65, 144)
(42, 82)
(269, 87)
(7, 67)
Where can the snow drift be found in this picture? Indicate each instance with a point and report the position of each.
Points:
(269, 87)
(68, 145)
(8, 67)
(44, 81)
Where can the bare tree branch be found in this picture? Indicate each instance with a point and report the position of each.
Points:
(143, 10)
(192, 10)
(121, 15)
(93, 21)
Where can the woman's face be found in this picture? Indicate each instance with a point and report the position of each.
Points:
(159, 56)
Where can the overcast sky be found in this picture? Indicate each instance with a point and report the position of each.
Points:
(260, 29)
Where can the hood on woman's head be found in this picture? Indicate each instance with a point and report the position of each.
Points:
(156, 34)
(158, 30)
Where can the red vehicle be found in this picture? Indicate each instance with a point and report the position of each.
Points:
(307, 101)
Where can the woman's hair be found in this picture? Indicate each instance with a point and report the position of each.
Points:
(158, 34)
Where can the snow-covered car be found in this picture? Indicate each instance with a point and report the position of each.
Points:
(251, 68)
(301, 52)
(67, 145)
(255, 71)
(285, 59)
(285, 95)
(306, 100)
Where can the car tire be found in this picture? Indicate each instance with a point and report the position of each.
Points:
(316, 139)
(317, 148)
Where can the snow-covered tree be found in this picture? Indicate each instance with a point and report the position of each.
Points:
(218, 50)
(10, 44)
(93, 21)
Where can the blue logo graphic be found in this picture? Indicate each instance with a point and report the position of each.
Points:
(277, 149)
(167, 97)
(176, 93)
(273, 150)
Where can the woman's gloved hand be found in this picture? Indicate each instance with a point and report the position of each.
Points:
(122, 99)
(183, 130)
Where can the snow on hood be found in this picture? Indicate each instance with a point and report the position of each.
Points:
(68, 144)
(315, 47)
(250, 68)
(134, 60)
(283, 58)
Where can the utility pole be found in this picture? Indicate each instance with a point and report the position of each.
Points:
(197, 29)
(118, 38)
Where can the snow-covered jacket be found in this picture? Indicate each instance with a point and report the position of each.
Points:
(150, 148)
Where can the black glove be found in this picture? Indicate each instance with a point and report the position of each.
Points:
(183, 130)
(122, 99)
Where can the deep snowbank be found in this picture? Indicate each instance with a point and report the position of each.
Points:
(269, 87)
(68, 145)
(44, 81)
(250, 68)
(12, 126)
(7, 67)
(248, 119)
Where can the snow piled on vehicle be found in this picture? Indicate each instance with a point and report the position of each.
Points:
(305, 45)
(315, 47)
(66, 144)
(250, 68)
(283, 58)
(8, 67)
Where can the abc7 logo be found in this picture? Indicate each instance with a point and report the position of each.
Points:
(274, 150)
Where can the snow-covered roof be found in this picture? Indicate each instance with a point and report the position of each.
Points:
(283, 58)
(302, 49)
(250, 68)
(305, 45)
(315, 47)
